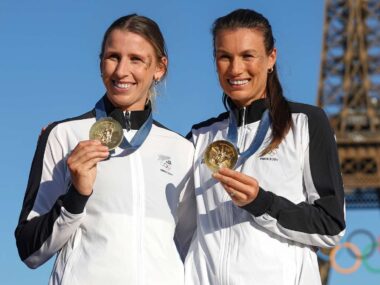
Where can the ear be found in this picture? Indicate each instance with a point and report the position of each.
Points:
(272, 58)
(161, 68)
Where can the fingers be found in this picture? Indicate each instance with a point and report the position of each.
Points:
(242, 188)
(231, 183)
(235, 194)
(243, 178)
(44, 129)
(88, 148)
(236, 180)
(82, 164)
(86, 155)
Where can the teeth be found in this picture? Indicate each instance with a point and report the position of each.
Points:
(238, 82)
(122, 85)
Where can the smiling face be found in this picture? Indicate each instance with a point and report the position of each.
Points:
(242, 64)
(129, 66)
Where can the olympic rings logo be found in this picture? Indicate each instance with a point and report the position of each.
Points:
(360, 257)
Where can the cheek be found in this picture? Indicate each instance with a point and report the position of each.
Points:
(149, 73)
(221, 71)
(257, 71)
(143, 78)
(221, 68)
(222, 82)
(107, 69)
(142, 75)
(259, 81)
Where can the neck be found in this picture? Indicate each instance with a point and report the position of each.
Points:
(248, 102)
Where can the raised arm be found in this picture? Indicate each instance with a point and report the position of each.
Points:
(320, 220)
(53, 208)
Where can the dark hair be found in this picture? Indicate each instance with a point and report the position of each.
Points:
(278, 106)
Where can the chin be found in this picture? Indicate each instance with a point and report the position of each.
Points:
(118, 101)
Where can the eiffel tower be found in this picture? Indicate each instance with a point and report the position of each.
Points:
(349, 92)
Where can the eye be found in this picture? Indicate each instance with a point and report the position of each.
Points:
(112, 56)
(136, 59)
(223, 57)
(248, 56)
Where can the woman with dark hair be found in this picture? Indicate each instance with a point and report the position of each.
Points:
(111, 191)
(267, 180)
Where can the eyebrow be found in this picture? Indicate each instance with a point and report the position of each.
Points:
(148, 57)
(242, 52)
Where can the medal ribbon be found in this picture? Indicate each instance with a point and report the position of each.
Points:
(138, 138)
(257, 141)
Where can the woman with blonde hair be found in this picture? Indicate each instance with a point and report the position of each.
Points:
(110, 192)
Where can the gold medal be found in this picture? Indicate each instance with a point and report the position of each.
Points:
(108, 131)
(220, 154)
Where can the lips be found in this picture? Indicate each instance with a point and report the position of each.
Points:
(121, 85)
(238, 82)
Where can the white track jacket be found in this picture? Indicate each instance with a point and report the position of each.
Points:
(300, 205)
(126, 232)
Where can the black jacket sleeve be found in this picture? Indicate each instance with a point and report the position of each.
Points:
(319, 221)
(52, 209)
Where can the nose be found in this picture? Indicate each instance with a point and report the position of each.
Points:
(122, 68)
(236, 66)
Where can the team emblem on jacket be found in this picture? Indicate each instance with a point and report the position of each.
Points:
(165, 163)
(271, 156)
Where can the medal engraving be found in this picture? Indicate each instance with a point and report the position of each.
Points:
(220, 154)
(108, 131)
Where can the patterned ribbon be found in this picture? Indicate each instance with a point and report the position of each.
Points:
(257, 141)
(138, 138)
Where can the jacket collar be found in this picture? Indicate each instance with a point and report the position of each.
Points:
(135, 119)
(251, 114)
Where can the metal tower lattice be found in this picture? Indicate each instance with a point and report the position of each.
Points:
(349, 87)
(349, 92)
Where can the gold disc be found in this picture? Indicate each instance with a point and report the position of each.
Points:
(220, 154)
(108, 131)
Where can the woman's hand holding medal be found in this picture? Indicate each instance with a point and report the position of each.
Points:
(222, 156)
(242, 188)
(82, 164)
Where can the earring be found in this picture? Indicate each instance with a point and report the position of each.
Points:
(270, 70)
(156, 81)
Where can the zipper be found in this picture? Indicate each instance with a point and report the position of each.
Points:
(138, 186)
(228, 240)
(227, 216)
(127, 120)
(243, 131)
(224, 244)
(227, 220)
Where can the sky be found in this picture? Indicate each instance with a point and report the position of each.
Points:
(49, 70)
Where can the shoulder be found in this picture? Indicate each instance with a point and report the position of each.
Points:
(53, 126)
(164, 131)
(315, 118)
(309, 110)
(49, 134)
(207, 124)
(211, 121)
